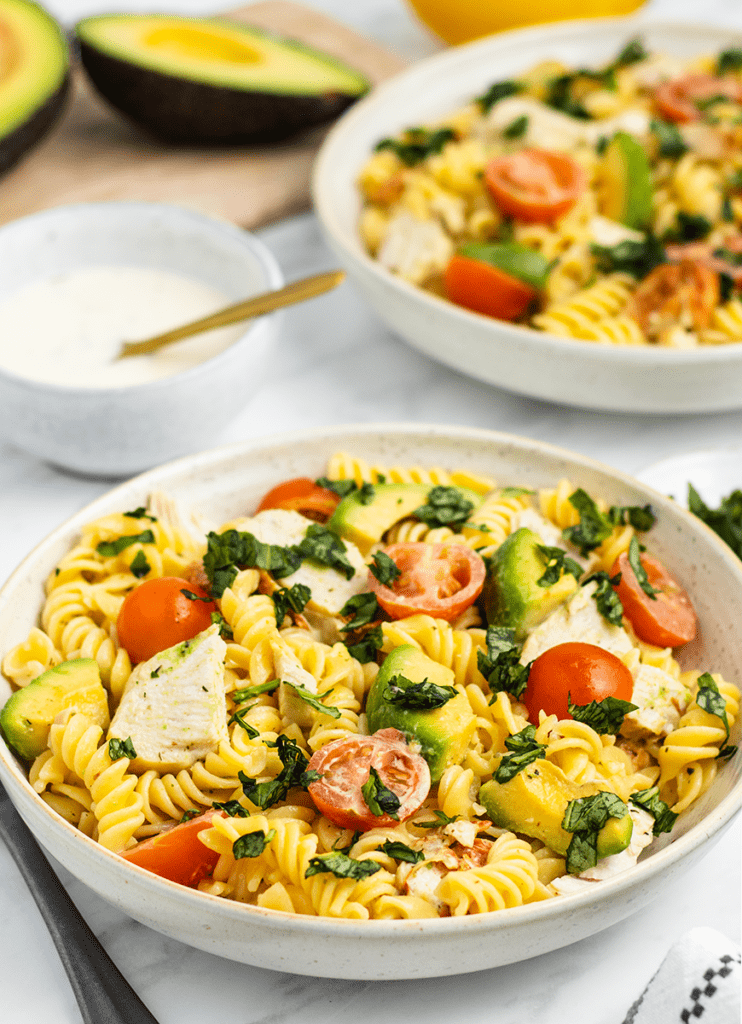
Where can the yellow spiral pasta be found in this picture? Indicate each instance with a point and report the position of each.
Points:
(508, 879)
(342, 466)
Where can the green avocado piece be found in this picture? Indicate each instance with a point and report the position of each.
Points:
(34, 77)
(443, 733)
(28, 714)
(626, 190)
(512, 596)
(192, 80)
(365, 522)
(534, 802)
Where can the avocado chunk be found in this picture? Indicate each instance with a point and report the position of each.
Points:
(625, 194)
(27, 716)
(34, 77)
(443, 733)
(512, 594)
(534, 802)
(364, 521)
(204, 80)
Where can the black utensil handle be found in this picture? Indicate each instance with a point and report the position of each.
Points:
(103, 993)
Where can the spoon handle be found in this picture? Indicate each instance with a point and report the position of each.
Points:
(102, 992)
(297, 291)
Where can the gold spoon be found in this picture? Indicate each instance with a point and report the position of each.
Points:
(297, 291)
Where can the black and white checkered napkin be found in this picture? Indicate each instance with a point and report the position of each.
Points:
(698, 982)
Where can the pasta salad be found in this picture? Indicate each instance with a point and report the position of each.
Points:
(601, 204)
(387, 693)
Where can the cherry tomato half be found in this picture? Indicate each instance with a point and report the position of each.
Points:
(177, 853)
(302, 495)
(678, 99)
(534, 185)
(486, 289)
(441, 580)
(157, 615)
(578, 672)
(667, 621)
(673, 289)
(345, 767)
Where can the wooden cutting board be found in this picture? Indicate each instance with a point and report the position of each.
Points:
(93, 154)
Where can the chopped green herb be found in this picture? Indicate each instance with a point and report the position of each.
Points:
(400, 851)
(649, 800)
(688, 227)
(445, 506)
(500, 666)
(341, 866)
(363, 607)
(641, 517)
(340, 487)
(232, 808)
(726, 287)
(225, 631)
(111, 548)
(384, 568)
(294, 597)
(603, 716)
(252, 844)
(139, 564)
(606, 598)
(308, 777)
(366, 494)
(726, 520)
(364, 650)
(669, 140)
(710, 699)
(557, 564)
(239, 718)
(194, 597)
(498, 91)
(379, 799)
(314, 702)
(187, 815)
(417, 144)
(441, 821)
(585, 817)
(639, 571)
(630, 257)
(226, 551)
(240, 696)
(265, 794)
(593, 527)
(424, 696)
(524, 751)
(559, 94)
(118, 748)
(733, 258)
(324, 546)
(140, 513)
(632, 53)
(517, 128)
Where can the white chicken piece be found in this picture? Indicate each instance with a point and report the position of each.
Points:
(291, 673)
(464, 832)
(415, 249)
(174, 707)
(661, 700)
(423, 881)
(609, 867)
(184, 525)
(579, 621)
(547, 128)
(330, 589)
(607, 232)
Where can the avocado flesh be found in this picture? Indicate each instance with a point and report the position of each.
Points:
(512, 596)
(34, 77)
(27, 716)
(443, 733)
(366, 524)
(534, 803)
(197, 80)
(626, 192)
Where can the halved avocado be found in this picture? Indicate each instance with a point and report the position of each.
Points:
(34, 77)
(199, 80)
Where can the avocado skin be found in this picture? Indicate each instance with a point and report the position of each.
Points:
(181, 111)
(18, 141)
(443, 733)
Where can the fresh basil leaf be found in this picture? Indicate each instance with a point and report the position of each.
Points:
(111, 548)
(500, 666)
(239, 718)
(559, 95)
(582, 852)
(729, 60)
(266, 794)
(649, 800)
(294, 597)
(585, 817)
(727, 287)
(557, 564)
(194, 597)
(340, 487)
(424, 696)
(324, 546)
(632, 53)
(379, 799)
(400, 851)
(726, 752)
(139, 565)
(240, 696)
(524, 751)
(366, 493)
(364, 650)
(140, 513)
(384, 568)
(444, 506)
(232, 808)
(341, 866)
(593, 527)
(226, 551)
(363, 607)
(441, 821)
(118, 748)
(308, 777)
(637, 258)
(639, 571)
(252, 844)
(314, 702)
(726, 520)
(417, 144)
(641, 517)
(225, 631)
(187, 815)
(517, 128)
(498, 91)
(669, 140)
(607, 600)
(603, 716)
(710, 699)
(689, 227)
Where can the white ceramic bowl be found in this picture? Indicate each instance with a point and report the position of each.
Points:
(117, 431)
(625, 379)
(229, 480)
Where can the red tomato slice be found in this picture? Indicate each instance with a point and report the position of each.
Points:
(177, 853)
(534, 185)
(578, 672)
(302, 495)
(677, 100)
(157, 615)
(667, 621)
(345, 767)
(486, 289)
(441, 580)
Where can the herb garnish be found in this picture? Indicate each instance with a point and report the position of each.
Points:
(649, 800)
(239, 718)
(417, 144)
(118, 748)
(498, 91)
(726, 520)
(585, 817)
(557, 564)
(400, 851)
(363, 607)
(314, 702)
(194, 597)
(670, 142)
(517, 128)
(342, 866)
(630, 257)
(639, 571)
(606, 598)
(729, 60)
(710, 699)
(240, 696)
(187, 815)
(340, 487)
(689, 227)
(252, 844)
(225, 631)
(294, 597)
(324, 546)
(524, 751)
(111, 548)
(444, 506)
(265, 794)
(441, 821)
(423, 696)
(593, 527)
(232, 808)
(364, 650)
(379, 799)
(384, 568)
(641, 517)
(139, 564)
(140, 513)
(500, 666)
(603, 716)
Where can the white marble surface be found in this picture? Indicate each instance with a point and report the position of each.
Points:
(336, 363)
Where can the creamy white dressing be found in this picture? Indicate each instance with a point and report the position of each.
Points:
(67, 329)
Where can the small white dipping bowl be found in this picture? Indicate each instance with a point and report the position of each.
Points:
(620, 378)
(117, 431)
(229, 481)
